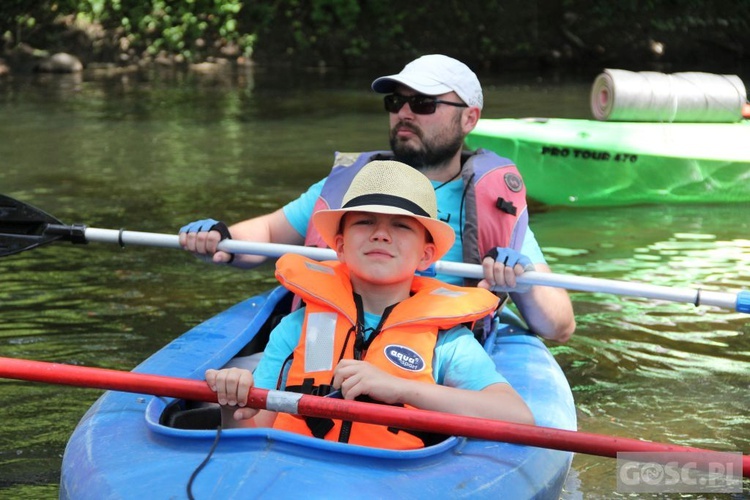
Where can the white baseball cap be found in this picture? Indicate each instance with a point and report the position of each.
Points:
(435, 74)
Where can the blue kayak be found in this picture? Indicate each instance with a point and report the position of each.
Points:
(140, 446)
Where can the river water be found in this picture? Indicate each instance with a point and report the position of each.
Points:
(153, 151)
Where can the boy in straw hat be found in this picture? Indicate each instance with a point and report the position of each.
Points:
(372, 329)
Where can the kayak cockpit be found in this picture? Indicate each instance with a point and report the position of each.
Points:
(187, 421)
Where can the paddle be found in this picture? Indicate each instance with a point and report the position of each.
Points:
(23, 227)
(314, 406)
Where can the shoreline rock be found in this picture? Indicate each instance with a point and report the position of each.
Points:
(61, 62)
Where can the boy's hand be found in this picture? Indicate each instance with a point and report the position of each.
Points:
(231, 386)
(356, 378)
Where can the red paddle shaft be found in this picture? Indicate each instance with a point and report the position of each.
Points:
(314, 406)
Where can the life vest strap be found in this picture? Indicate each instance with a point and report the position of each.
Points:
(319, 426)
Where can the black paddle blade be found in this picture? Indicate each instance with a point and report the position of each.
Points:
(22, 227)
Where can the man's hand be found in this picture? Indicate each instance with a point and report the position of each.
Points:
(202, 237)
(501, 266)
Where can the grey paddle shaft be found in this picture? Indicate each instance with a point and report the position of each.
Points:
(583, 284)
(126, 238)
(736, 301)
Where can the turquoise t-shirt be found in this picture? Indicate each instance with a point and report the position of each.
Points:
(459, 360)
(449, 197)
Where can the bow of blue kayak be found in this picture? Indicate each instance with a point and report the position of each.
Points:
(130, 445)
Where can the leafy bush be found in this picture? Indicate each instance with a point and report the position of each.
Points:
(193, 29)
(358, 33)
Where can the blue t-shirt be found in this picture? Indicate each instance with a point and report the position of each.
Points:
(459, 360)
(298, 212)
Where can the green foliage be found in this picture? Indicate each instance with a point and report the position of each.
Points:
(20, 17)
(190, 28)
(358, 33)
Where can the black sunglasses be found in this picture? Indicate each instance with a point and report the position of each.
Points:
(419, 104)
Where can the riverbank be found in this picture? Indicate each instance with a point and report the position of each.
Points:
(494, 37)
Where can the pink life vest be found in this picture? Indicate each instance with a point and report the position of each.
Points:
(496, 214)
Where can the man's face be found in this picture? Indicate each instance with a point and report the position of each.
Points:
(427, 141)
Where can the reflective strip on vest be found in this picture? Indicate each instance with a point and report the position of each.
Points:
(321, 329)
(447, 293)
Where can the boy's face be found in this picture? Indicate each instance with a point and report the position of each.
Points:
(383, 249)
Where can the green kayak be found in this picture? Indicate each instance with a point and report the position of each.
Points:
(598, 163)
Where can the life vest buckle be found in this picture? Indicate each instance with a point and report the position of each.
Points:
(506, 206)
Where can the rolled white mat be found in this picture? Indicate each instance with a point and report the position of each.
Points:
(647, 96)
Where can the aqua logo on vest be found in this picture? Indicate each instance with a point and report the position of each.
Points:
(404, 357)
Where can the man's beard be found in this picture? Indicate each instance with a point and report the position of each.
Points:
(431, 155)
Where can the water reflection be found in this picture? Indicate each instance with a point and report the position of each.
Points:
(657, 370)
(151, 152)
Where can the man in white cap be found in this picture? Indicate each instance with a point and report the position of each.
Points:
(433, 104)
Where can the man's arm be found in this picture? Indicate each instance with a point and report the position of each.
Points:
(547, 310)
(269, 228)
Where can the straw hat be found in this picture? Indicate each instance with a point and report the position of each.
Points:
(389, 187)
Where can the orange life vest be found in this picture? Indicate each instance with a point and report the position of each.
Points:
(402, 346)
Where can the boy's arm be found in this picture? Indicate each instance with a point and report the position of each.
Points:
(497, 401)
(232, 386)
